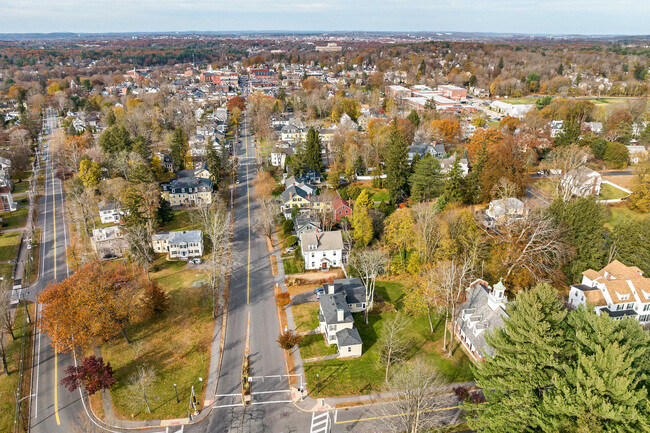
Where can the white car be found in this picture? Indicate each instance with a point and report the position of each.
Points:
(196, 261)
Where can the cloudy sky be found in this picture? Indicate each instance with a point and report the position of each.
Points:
(516, 16)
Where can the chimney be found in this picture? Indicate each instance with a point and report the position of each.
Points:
(339, 315)
(330, 289)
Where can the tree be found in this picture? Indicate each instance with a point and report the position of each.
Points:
(369, 264)
(569, 134)
(266, 218)
(362, 224)
(139, 240)
(155, 300)
(140, 386)
(397, 169)
(313, 151)
(214, 165)
(542, 102)
(427, 233)
(629, 243)
(6, 321)
(392, 341)
(141, 147)
(640, 198)
(179, 148)
(584, 220)
(504, 160)
(447, 130)
(565, 161)
(93, 375)
(92, 305)
(427, 180)
(288, 339)
(115, 139)
(89, 173)
(264, 185)
(455, 185)
(616, 154)
(236, 102)
(483, 138)
(528, 352)
(414, 118)
(364, 199)
(417, 388)
(399, 231)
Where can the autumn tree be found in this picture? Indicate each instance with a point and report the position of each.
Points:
(447, 130)
(362, 224)
(483, 138)
(236, 102)
(91, 306)
(504, 161)
(93, 375)
(89, 173)
(398, 231)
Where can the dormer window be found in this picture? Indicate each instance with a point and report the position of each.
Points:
(622, 297)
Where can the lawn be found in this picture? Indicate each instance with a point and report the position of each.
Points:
(364, 375)
(176, 343)
(378, 194)
(620, 213)
(9, 243)
(290, 266)
(8, 384)
(182, 221)
(15, 219)
(313, 346)
(305, 316)
(5, 270)
(609, 192)
(20, 187)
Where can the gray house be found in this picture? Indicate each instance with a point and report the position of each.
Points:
(306, 222)
(337, 324)
(483, 312)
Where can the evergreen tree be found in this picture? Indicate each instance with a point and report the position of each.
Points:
(414, 118)
(569, 134)
(141, 173)
(213, 161)
(110, 118)
(313, 151)
(115, 139)
(584, 220)
(397, 168)
(528, 352)
(473, 180)
(364, 200)
(426, 180)
(630, 240)
(141, 147)
(455, 184)
(560, 69)
(603, 388)
(500, 65)
(359, 166)
(178, 147)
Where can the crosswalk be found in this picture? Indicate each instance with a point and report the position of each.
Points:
(320, 422)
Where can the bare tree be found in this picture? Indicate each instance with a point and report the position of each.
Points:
(215, 221)
(266, 222)
(369, 263)
(139, 241)
(562, 164)
(392, 342)
(427, 230)
(6, 321)
(417, 388)
(139, 388)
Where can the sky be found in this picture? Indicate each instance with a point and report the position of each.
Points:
(628, 17)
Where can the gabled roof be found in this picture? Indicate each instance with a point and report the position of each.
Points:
(348, 337)
(330, 304)
(293, 191)
(352, 288)
(324, 241)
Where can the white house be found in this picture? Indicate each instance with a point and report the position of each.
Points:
(180, 244)
(508, 208)
(483, 312)
(110, 212)
(620, 291)
(7, 203)
(582, 182)
(556, 127)
(514, 110)
(446, 163)
(278, 159)
(336, 323)
(322, 250)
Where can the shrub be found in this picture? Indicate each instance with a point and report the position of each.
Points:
(287, 227)
(282, 299)
(155, 298)
(461, 393)
(476, 397)
(291, 241)
(288, 339)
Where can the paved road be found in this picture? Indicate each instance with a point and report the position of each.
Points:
(54, 409)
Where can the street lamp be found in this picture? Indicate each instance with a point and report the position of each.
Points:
(317, 384)
(176, 391)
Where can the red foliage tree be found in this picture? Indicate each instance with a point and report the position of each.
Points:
(237, 101)
(92, 374)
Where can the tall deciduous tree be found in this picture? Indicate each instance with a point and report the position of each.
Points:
(397, 169)
(93, 375)
(399, 231)
(369, 264)
(392, 342)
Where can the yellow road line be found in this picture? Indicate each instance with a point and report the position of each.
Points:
(395, 415)
(56, 358)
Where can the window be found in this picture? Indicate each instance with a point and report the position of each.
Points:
(349, 349)
(646, 307)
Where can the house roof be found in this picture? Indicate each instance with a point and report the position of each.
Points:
(593, 295)
(293, 191)
(108, 206)
(490, 319)
(622, 272)
(304, 219)
(330, 304)
(352, 288)
(324, 241)
(190, 182)
(183, 236)
(348, 337)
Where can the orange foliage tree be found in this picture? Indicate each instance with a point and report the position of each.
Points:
(92, 305)
(448, 129)
(236, 101)
(483, 137)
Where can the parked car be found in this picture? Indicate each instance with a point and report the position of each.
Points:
(196, 261)
(290, 249)
(319, 291)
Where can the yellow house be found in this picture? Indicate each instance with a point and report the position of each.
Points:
(188, 191)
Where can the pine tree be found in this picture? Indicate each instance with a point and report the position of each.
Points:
(414, 118)
(178, 147)
(473, 180)
(397, 168)
(313, 151)
(630, 241)
(528, 352)
(141, 147)
(455, 184)
(426, 180)
(214, 164)
(500, 65)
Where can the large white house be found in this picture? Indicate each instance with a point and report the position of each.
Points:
(110, 212)
(620, 291)
(322, 250)
(582, 181)
(180, 244)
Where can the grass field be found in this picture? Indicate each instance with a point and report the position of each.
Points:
(20, 187)
(313, 346)
(364, 375)
(378, 194)
(182, 221)
(9, 383)
(608, 192)
(15, 219)
(620, 213)
(290, 265)
(305, 316)
(176, 343)
(9, 243)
